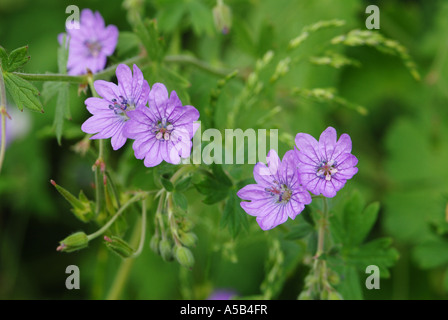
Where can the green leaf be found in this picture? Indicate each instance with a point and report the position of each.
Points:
(167, 184)
(16, 59)
(149, 36)
(377, 252)
(23, 92)
(350, 284)
(180, 200)
(3, 58)
(128, 44)
(183, 184)
(201, 18)
(432, 254)
(234, 216)
(170, 17)
(299, 231)
(215, 186)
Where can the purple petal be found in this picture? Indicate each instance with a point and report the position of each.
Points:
(124, 77)
(153, 157)
(110, 39)
(308, 148)
(253, 192)
(344, 145)
(273, 219)
(262, 175)
(118, 139)
(327, 142)
(158, 97)
(107, 90)
(97, 105)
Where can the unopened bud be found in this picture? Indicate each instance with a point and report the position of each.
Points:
(165, 248)
(334, 295)
(222, 16)
(184, 256)
(74, 242)
(119, 246)
(81, 207)
(305, 295)
(188, 239)
(154, 243)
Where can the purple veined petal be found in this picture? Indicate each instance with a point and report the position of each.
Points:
(294, 207)
(273, 219)
(308, 146)
(273, 164)
(143, 98)
(254, 207)
(142, 115)
(262, 175)
(137, 83)
(327, 142)
(158, 97)
(173, 102)
(348, 161)
(98, 63)
(154, 156)
(344, 145)
(183, 115)
(142, 146)
(287, 172)
(95, 124)
(124, 77)
(134, 129)
(109, 131)
(302, 196)
(327, 188)
(346, 174)
(97, 105)
(311, 183)
(118, 139)
(107, 90)
(253, 192)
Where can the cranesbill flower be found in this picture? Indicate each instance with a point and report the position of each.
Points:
(110, 112)
(91, 44)
(325, 166)
(162, 132)
(278, 193)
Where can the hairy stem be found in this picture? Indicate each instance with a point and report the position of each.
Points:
(103, 229)
(3, 118)
(142, 232)
(110, 71)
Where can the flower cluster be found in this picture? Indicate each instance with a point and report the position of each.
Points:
(162, 131)
(282, 190)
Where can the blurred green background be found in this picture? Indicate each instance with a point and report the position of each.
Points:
(401, 144)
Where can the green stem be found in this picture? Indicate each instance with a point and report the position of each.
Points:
(198, 64)
(142, 232)
(181, 172)
(123, 272)
(103, 229)
(110, 71)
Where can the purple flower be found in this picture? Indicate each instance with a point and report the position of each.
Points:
(91, 44)
(164, 130)
(325, 166)
(110, 113)
(278, 193)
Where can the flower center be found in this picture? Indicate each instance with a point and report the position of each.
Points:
(280, 191)
(163, 129)
(94, 47)
(326, 169)
(121, 106)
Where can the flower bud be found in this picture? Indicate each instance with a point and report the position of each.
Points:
(74, 242)
(154, 244)
(80, 207)
(184, 256)
(222, 16)
(188, 239)
(119, 246)
(165, 248)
